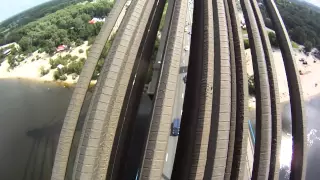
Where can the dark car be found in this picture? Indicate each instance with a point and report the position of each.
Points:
(185, 79)
(175, 129)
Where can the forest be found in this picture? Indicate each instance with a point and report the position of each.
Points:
(34, 13)
(301, 20)
(66, 26)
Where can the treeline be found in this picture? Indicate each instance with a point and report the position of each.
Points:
(36, 12)
(65, 26)
(301, 21)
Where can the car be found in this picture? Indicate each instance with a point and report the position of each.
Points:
(185, 79)
(175, 127)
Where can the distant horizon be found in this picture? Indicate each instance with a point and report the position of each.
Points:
(14, 7)
(17, 6)
(314, 2)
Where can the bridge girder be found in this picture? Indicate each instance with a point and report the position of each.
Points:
(214, 128)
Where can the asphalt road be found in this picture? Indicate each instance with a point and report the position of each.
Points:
(179, 96)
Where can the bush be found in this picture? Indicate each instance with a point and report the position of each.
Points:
(56, 75)
(43, 71)
(40, 50)
(59, 75)
(83, 60)
(273, 39)
(63, 78)
(11, 61)
(246, 44)
(79, 42)
(74, 76)
(81, 51)
(32, 60)
(68, 56)
(18, 59)
(307, 46)
(73, 58)
(59, 60)
(87, 51)
(251, 85)
(74, 67)
(91, 40)
(98, 69)
(49, 50)
(294, 45)
(14, 50)
(38, 57)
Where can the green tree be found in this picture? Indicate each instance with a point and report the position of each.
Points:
(14, 50)
(307, 46)
(43, 71)
(68, 25)
(273, 39)
(251, 85)
(246, 44)
(25, 43)
(11, 61)
(49, 47)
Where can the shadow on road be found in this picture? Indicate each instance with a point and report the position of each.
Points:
(165, 177)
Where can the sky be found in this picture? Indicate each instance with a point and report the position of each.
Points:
(315, 2)
(9, 8)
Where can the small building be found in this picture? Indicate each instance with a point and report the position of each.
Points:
(60, 66)
(61, 48)
(95, 20)
(7, 52)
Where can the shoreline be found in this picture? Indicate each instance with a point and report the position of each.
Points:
(308, 68)
(32, 68)
(65, 84)
(39, 80)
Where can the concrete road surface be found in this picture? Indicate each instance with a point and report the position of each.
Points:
(179, 94)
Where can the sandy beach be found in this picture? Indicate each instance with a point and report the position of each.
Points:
(309, 76)
(30, 67)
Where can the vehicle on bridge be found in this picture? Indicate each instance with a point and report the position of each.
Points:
(185, 79)
(175, 128)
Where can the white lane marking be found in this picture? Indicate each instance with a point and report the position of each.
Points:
(134, 80)
(166, 157)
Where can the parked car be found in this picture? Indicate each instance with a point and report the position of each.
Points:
(175, 128)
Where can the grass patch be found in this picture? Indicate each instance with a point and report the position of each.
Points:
(294, 45)
(251, 85)
(246, 44)
(65, 60)
(244, 31)
(59, 75)
(43, 71)
(74, 67)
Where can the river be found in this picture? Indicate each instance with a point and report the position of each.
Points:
(312, 112)
(25, 107)
(30, 120)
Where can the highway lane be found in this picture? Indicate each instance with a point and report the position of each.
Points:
(250, 153)
(179, 94)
